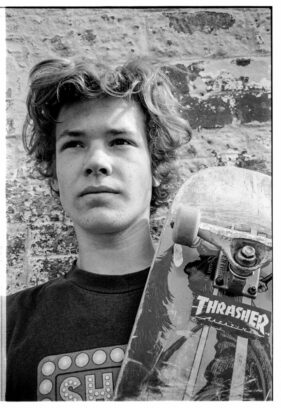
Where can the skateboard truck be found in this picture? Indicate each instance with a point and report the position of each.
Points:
(242, 254)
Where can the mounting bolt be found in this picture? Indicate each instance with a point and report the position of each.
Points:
(248, 251)
(252, 290)
(219, 280)
(246, 256)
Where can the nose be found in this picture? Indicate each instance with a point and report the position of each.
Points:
(98, 162)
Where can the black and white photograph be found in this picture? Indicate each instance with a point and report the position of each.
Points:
(138, 203)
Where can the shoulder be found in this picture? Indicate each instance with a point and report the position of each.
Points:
(26, 308)
(27, 299)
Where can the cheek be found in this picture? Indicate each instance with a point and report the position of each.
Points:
(64, 171)
(60, 181)
(144, 181)
(64, 183)
(147, 173)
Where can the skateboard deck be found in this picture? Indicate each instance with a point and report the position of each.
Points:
(3, 347)
(203, 329)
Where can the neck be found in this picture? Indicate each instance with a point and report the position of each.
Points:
(116, 254)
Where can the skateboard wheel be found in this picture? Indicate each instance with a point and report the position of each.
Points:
(186, 225)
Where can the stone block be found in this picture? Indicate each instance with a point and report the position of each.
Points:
(54, 238)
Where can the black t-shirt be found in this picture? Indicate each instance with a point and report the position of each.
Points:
(66, 338)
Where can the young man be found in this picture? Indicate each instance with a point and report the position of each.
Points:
(106, 142)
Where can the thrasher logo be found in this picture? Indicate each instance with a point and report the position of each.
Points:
(247, 319)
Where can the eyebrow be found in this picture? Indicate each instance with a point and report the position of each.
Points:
(70, 133)
(81, 133)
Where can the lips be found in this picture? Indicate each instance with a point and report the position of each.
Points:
(98, 190)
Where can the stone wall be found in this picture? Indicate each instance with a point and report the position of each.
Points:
(219, 60)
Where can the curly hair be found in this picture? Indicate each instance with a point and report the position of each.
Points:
(58, 82)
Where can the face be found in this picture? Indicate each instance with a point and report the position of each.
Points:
(103, 165)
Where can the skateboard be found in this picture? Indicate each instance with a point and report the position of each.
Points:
(203, 330)
(3, 347)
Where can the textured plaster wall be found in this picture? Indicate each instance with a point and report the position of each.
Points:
(219, 60)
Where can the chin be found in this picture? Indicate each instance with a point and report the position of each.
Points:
(109, 221)
(103, 224)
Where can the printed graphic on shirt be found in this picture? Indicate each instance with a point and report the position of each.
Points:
(88, 375)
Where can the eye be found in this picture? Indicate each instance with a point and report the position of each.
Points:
(72, 144)
(121, 141)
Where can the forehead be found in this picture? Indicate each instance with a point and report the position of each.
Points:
(107, 112)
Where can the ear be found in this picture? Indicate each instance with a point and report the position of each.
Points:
(54, 184)
(155, 182)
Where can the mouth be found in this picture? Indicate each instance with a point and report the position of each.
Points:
(98, 190)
